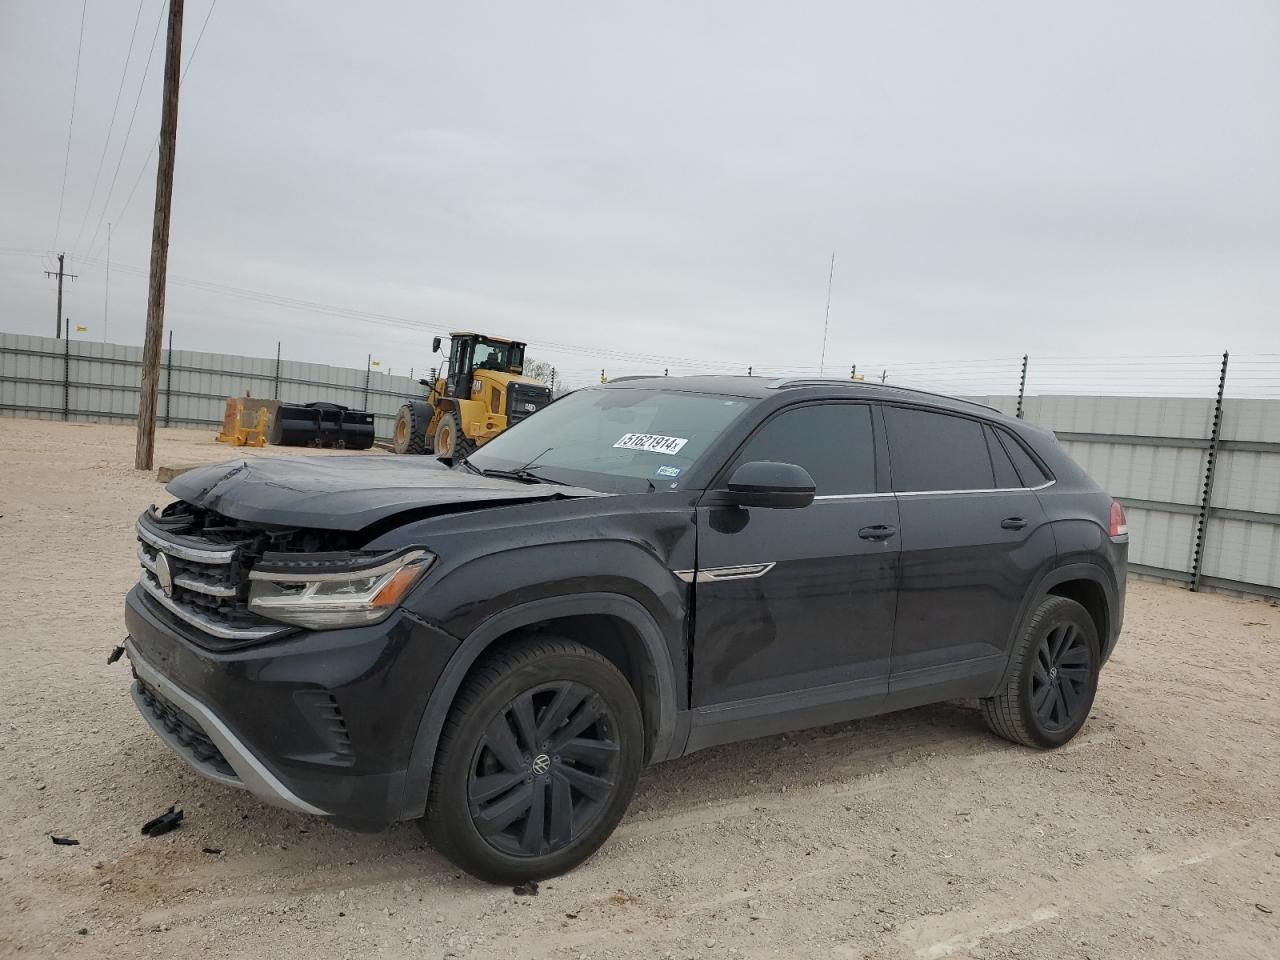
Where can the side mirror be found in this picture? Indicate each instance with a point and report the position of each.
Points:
(765, 483)
(435, 345)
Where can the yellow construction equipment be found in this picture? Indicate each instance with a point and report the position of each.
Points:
(246, 422)
(481, 393)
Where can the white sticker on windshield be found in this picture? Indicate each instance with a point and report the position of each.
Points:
(651, 443)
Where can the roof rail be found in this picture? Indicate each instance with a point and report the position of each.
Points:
(785, 383)
(793, 382)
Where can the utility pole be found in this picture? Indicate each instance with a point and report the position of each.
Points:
(144, 452)
(59, 274)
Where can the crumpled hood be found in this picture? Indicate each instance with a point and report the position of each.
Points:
(347, 493)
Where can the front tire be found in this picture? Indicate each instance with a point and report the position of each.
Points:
(537, 763)
(1053, 678)
(451, 443)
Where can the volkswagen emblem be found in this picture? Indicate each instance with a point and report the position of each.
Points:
(541, 764)
(164, 574)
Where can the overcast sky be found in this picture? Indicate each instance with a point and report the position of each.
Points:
(664, 179)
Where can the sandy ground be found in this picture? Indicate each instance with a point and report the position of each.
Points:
(915, 835)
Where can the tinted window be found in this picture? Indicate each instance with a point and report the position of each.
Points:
(833, 441)
(934, 451)
(1006, 477)
(1028, 469)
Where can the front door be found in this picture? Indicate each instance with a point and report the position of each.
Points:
(791, 600)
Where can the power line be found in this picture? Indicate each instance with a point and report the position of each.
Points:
(129, 129)
(71, 124)
(93, 194)
(195, 47)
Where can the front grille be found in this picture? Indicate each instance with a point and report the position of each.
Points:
(201, 580)
(524, 399)
(184, 729)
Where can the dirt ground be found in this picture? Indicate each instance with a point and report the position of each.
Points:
(914, 835)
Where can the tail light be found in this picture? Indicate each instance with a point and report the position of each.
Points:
(1119, 526)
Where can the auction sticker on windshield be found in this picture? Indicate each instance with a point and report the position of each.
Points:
(651, 443)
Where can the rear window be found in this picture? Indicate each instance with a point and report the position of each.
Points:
(1006, 476)
(1031, 473)
(936, 451)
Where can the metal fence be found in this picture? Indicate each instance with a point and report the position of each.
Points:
(1199, 479)
(81, 380)
(1198, 473)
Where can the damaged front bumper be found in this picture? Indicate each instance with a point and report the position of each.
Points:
(195, 733)
(321, 722)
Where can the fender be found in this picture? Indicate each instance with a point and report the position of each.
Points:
(418, 776)
(1053, 577)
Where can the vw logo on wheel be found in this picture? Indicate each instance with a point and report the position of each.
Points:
(541, 763)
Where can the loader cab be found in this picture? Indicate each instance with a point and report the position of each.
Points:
(469, 352)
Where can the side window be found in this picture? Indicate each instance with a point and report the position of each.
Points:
(1006, 477)
(936, 451)
(833, 441)
(1030, 471)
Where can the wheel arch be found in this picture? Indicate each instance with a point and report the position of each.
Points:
(616, 626)
(1086, 583)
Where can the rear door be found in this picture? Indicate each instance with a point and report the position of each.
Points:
(797, 600)
(974, 540)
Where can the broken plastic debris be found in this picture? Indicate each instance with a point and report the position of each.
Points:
(163, 823)
(116, 654)
(65, 841)
(213, 850)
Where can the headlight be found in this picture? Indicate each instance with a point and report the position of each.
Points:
(323, 591)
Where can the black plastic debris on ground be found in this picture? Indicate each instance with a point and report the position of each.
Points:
(64, 841)
(116, 654)
(163, 823)
(527, 889)
(215, 851)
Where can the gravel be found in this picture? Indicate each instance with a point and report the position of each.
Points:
(913, 835)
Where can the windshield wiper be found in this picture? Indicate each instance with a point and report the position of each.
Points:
(472, 467)
(522, 474)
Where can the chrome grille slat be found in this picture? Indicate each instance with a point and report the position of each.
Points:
(206, 584)
(199, 620)
(183, 552)
(197, 584)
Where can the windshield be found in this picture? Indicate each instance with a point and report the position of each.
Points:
(492, 356)
(621, 440)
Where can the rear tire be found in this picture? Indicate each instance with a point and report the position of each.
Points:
(537, 762)
(1052, 680)
(411, 432)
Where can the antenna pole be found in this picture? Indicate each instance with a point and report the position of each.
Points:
(826, 320)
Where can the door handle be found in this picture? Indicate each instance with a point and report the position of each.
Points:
(881, 531)
(1013, 523)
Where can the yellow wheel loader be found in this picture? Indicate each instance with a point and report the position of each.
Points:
(480, 393)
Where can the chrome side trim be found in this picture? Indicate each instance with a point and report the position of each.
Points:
(184, 553)
(254, 777)
(932, 493)
(747, 571)
(198, 584)
(201, 622)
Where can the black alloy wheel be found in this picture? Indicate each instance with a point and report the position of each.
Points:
(537, 761)
(544, 769)
(1060, 675)
(1052, 679)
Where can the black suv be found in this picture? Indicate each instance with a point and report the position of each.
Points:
(640, 570)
